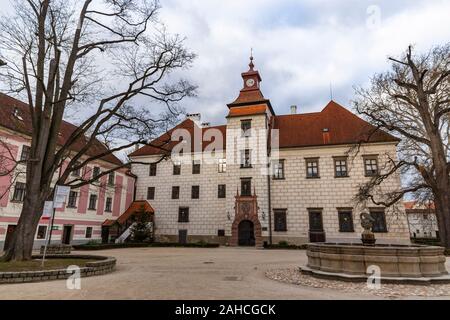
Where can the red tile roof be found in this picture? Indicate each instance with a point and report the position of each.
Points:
(135, 206)
(132, 209)
(334, 125)
(108, 222)
(163, 144)
(248, 96)
(415, 205)
(8, 105)
(247, 111)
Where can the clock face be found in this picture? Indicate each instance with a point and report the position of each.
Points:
(250, 83)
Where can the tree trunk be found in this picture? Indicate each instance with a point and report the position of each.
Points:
(21, 245)
(442, 203)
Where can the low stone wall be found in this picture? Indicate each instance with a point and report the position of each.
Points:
(57, 249)
(103, 265)
(413, 261)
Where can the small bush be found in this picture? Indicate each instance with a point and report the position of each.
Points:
(105, 246)
(285, 245)
(93, 242)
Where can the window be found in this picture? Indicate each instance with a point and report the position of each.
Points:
(92, 202)
(221, 233)
(19, 192)
(221, 191)
(379, 225)
(152, 170)
(370, 165)
(195, 194)
(177, 168)
(72, 203)
(196, 167)
(176, 192)
(108, 205)
(278, 169)
(150, 193)
(246, 126)
(96, 172)
(183, 214)
(25, 153)
(88, 234)
(41, 232)
(279, 218)
(77, 172)
(246, 186)
(315, 220)
(345, 220)
(222, 165)
(340, 167)
(312, 168)
(246, 160)
(111, 178)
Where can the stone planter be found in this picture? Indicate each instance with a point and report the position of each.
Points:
(394, 261)
(101, 265)
(57, 249)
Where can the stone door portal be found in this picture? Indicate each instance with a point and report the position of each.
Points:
(246, 227)
(246, 233)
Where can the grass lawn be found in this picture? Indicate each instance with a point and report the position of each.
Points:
(36, 265)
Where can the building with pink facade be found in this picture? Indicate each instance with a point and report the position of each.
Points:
(86, 208)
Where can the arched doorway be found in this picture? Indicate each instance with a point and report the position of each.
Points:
(246, 234)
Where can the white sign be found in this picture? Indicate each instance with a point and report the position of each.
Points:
(61, 193)
(48, 209)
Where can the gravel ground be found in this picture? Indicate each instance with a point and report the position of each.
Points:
(293, 276)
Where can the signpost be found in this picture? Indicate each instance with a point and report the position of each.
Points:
(59, 198)
(48, 210)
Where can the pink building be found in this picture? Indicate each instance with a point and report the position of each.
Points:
(86, 209)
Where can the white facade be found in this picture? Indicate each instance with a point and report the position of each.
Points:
(295, 208)
(296, 193)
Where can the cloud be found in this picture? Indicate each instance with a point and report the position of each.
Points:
(300, 47)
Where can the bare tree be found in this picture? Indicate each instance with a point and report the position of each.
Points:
(412, 100)
(94, 58)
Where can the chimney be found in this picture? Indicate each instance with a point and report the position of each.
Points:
(205, 125)
(196, 117)
(293, 109)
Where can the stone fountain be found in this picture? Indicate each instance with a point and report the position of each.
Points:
(397, 263)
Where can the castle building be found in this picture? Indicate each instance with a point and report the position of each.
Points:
(264, 177)
(86, 209)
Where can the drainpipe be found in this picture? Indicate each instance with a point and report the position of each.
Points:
(270, 206)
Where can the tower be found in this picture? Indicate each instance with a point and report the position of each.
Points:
(248, 125)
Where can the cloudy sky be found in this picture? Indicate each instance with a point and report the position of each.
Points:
(300, 46)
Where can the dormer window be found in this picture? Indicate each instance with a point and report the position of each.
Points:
(16, 114)
(246, 126)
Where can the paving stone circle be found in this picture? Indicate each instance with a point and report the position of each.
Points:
(294, 276)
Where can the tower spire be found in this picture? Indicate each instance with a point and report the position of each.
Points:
(251, 65)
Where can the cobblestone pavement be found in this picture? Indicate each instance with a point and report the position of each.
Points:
(293, 276)
(190, 273)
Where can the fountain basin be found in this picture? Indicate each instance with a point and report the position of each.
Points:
(352, 261)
